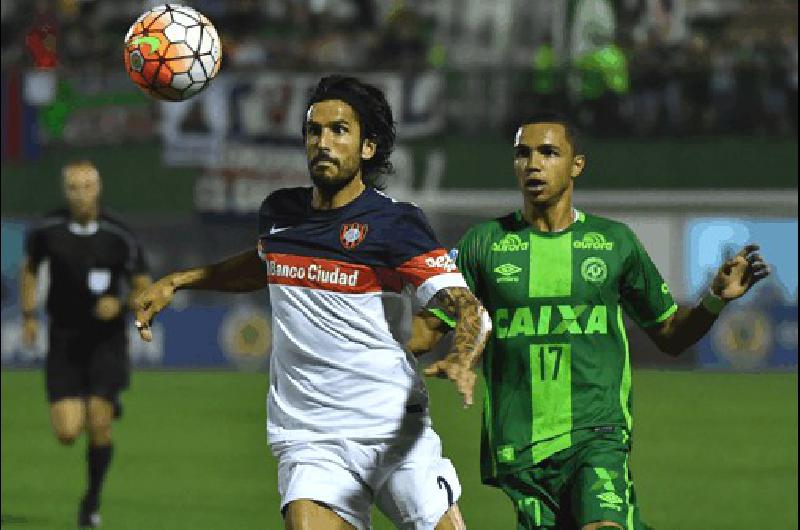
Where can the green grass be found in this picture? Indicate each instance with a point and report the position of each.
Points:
(712, 451)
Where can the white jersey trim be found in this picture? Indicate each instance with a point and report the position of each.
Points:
(433, 285)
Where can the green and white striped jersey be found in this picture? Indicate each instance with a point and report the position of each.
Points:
(557, 366)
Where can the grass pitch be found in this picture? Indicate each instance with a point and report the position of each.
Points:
(711, 451)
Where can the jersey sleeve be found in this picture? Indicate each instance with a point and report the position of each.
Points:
(419, 258)
(646, 297)
(35, 246)
(465, 255)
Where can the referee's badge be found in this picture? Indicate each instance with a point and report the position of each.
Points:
(99, 280)
(352, 234)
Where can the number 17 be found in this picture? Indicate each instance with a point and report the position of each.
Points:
(547, 351)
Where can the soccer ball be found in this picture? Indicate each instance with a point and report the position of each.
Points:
(172, 52)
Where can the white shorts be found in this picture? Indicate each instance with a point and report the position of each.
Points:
(407, 479)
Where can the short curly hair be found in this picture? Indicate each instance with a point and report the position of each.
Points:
(554, 116)
(374, 116)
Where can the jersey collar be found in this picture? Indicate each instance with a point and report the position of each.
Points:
(89, 229)
(577, 217)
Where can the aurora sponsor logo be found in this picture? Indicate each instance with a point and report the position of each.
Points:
(507, 272)
(509, 243)
(313, 273)
(593, 241)
(531, 321)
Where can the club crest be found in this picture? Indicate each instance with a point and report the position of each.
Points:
(352, 234)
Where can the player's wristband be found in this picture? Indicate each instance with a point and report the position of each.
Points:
(29, 314)
(713, 303)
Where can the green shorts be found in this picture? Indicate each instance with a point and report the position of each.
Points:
(586, 483)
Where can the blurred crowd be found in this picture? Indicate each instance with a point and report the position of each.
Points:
(705, 82)
(652, 87)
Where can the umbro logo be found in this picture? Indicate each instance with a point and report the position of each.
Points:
(274, 229)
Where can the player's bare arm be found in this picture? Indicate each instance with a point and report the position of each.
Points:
(689, 324)
(472, 329)
(241, 273)
(427, 330)
(30, 323)
(139, 283)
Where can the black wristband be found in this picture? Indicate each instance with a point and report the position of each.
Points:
(713, 303)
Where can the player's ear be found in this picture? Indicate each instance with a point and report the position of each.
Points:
(368, 148)
(578, 163)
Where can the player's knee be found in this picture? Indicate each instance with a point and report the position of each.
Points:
(67, 434)
(100, 430)
(99, 420)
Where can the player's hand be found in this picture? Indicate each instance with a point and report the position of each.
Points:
(472, 330)
(30, 330)
(739, 274)
(107, 307)
(149, 303)
(459, 369)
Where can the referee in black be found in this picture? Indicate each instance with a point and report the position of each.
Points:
(90, 256)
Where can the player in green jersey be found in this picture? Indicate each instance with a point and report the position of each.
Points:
(556, 281)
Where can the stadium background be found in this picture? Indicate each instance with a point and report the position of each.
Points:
(689, 109)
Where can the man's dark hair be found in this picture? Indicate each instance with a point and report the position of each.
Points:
(553, 116)
(374, 117)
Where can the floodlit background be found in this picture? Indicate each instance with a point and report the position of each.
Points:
(689, 109)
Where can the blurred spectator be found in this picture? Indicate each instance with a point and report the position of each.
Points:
(790, 43)
(736, 74)
(697, 85)
(773, 87)
(42, 36)
(548, 77)
(648, 79)
(748, 97)
(723, 85)
(401, 43)
(604, 81)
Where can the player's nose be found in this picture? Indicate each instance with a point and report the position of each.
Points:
(325, 139)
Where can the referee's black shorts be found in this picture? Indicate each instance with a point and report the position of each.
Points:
(87, 362)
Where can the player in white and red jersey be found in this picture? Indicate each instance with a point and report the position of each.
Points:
(347, 410)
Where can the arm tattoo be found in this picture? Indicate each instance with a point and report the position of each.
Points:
(472, 322)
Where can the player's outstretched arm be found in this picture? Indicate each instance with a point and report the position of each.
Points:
(239, 274)
(689, 324)
(139, 283)
(473, 326)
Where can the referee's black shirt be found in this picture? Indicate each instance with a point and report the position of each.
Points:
(86, 262)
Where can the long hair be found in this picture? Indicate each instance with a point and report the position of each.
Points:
(374, 117)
